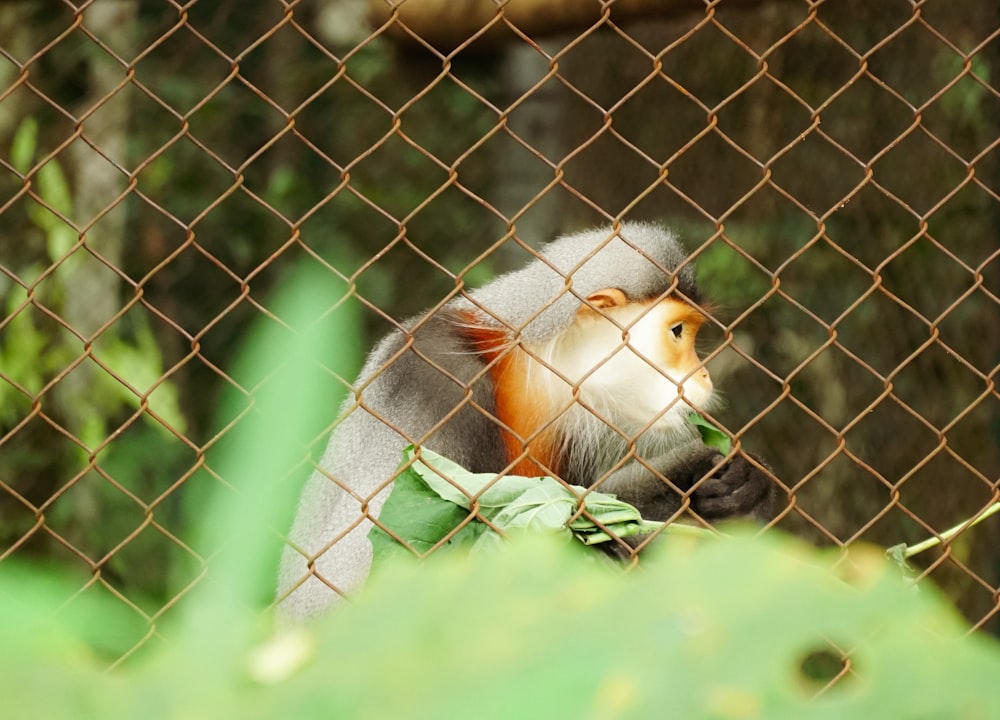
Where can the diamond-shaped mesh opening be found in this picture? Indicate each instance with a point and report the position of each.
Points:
(899, 173)
(951, 225)
(910, 386)
(421, 121)
(106, 183)
(805, 280)
(532, 175)
(898, 325)
(182, 164)
(635, 169)
(432, 275)
(895, 118)
(925, 264)
(713, 195)
(967, 433)
(241, 231)
(286, 51)
(338, 218)
(55, 124)
(854, 385)
(783, 334)
(842, 522)
(871, 226)
(953, 113)
(370, 120)
(410, 166)
(632, 63)
(840, 173)
(172, 52)
(214, 25)
(877, 27)
(815, 76)
(665, 134)
(958, 333)
(710, 52)
(833, 169)
(724, 256)
(758, 136)
(62, 58)
(209, 125)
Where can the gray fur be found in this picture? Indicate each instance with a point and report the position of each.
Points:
(406, 400)
(640, 261)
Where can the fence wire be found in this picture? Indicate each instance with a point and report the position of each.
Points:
(834, 169)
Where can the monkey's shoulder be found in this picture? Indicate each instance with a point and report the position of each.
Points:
(427, 354)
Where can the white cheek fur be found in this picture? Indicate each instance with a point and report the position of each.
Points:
(608, 372)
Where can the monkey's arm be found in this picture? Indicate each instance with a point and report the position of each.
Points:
(717, 490)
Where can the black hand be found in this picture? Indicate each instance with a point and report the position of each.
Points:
(737, 489)
(717, 490)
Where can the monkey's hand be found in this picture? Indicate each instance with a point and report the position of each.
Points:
(717, 490)
(739, 488)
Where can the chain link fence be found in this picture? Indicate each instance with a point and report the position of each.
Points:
(834, 169)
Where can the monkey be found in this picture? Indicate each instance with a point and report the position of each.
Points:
(580, 365)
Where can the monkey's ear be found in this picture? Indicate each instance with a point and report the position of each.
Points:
(604, 299)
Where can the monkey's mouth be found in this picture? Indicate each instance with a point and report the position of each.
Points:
(675, 412)
(658, 419)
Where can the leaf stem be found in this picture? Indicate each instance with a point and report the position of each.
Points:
(644, 527)
(930, 542)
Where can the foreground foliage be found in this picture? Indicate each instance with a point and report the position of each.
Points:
(718, 628)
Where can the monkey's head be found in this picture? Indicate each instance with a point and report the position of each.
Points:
(637, 357)
(613, 315)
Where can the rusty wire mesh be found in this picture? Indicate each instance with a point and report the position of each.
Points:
(834, 169)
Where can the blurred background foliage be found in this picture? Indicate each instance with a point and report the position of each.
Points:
(163, 169)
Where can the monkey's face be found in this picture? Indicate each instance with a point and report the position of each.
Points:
(638, 358)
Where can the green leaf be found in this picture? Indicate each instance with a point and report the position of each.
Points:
(22, 147)
(141, 366)
(607, 510)
(421, 517)
(711, 435)
(434, 496)
(55, 192)
(54, 188)
(547, 506)
(147, 364)
(447, 479)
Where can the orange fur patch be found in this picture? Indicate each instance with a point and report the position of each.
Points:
(521, 408)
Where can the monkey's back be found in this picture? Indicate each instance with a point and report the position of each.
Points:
(433, 391)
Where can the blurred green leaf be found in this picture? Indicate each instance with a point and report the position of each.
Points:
(140, 364)
(283, 374)
(54, 190)
(22, 147)
(28, 355)
(708, 630)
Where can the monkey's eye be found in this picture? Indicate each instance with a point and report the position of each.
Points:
(677, 329)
